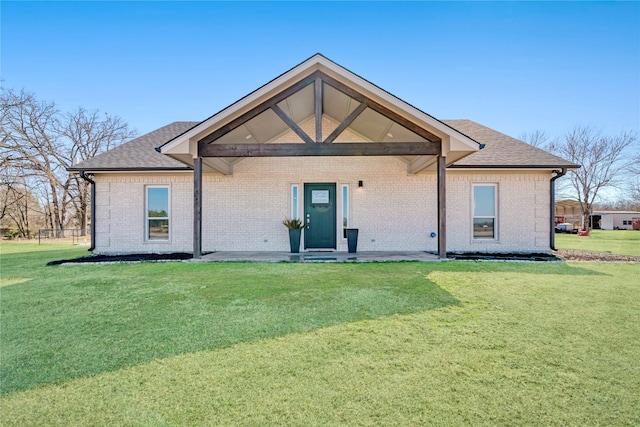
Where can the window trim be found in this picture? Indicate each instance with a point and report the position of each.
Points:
(294, 201)
(494, 216)
(345, 209)
(147, 239)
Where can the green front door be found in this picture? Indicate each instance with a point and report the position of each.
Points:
(320, 216)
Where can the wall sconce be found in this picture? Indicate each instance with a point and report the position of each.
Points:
(360, 184)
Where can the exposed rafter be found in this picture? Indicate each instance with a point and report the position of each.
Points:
(342, 149)
(318, 107)
(318, 147)
(259, 109)
(379, 108)
(345, 123)
(293, 125)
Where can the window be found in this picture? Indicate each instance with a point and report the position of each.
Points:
(484, 212)
(157, 213)
(294, 202)
(345, 210)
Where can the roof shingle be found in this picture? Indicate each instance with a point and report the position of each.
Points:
(139, 153)
(502, 151)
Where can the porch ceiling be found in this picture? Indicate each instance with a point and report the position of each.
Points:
(319, 108)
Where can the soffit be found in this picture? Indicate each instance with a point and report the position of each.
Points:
(299, 106)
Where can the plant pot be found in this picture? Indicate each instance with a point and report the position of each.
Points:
(352, 239)
(294, 239)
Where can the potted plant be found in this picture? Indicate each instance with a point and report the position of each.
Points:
(295, 227)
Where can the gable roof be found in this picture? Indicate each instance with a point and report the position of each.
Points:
(140, 153)
(502, 151)
(185, 146)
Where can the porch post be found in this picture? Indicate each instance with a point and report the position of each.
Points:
(197, 207)
(442, 208)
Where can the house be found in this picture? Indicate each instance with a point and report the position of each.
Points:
(571, 211)
(615, 220)
(322, 144)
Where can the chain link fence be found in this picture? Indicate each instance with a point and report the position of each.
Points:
(75, 235)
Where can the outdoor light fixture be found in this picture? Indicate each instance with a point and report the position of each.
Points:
(360, 184)
(248, 136)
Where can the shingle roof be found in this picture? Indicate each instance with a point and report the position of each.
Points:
(139, 153)
(502, 151)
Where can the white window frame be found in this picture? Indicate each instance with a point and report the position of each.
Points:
(147, 218)
(494, 216)
(295, 201)
(344, 209)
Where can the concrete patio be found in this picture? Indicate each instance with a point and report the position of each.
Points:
(377, 256)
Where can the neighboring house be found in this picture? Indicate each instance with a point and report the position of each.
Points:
(571, 211)
(616, 220)
(322, 144)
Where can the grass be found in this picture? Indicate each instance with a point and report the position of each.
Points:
(621, 242)
(317, 344)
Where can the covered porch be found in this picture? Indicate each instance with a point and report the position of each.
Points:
(319, 109)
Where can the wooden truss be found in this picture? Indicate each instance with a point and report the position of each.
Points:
(316, 145)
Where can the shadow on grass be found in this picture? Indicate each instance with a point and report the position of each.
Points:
(131, 315)
(66, 322)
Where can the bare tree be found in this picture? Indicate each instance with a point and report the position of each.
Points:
(88, 133)
(604, 161)
(537, 138)
(31, 143)
(42, 143)
(19, 208)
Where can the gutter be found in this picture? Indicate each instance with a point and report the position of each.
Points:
(552, 208)
(93, 209)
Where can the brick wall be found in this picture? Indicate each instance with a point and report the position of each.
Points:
(394, 210)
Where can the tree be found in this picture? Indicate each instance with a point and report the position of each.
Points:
(603, 159)
(537, 138)
(30, 143)
(88, 133)
(19, 208)
(42, 143)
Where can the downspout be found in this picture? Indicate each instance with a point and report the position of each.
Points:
(552, 208)
(93, 209)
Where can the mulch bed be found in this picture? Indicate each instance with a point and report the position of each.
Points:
(560, 255)
(478, 256)
(177, 256)
(570, 255)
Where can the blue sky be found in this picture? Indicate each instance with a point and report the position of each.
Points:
(512, 66)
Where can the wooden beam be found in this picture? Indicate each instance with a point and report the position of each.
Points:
(379, 108)
(442, 208)
(240, 120)
(293, 125)
(341, 149)
(345, 123)
(197, 208)
(318, 108)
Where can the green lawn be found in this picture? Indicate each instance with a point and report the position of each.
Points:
(622, 242)
(450, 343)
